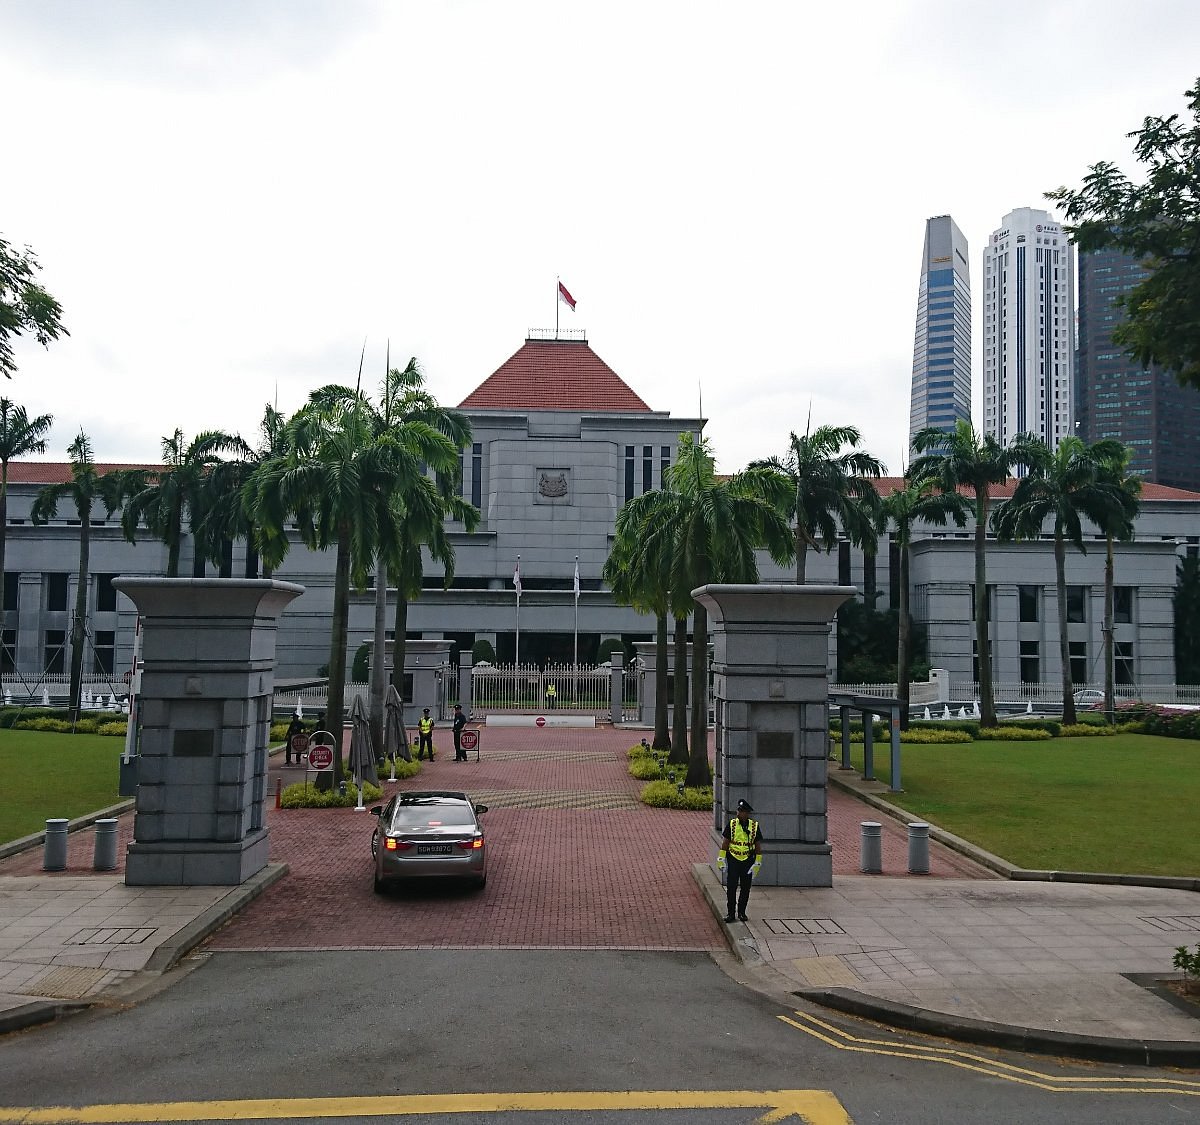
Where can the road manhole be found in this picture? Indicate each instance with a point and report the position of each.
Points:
(112, 935)
(803, 927)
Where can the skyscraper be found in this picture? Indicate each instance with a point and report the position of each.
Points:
(941, 378)
(1145, 408)
(1028, 329)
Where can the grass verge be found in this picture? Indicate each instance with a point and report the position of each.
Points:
(1125, 804)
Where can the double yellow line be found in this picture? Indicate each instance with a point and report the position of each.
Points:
(992, 1068)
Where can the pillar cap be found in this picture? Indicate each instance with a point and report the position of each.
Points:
(778, 602)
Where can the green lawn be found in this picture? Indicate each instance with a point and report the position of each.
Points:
(44, 775)
(1127, 804)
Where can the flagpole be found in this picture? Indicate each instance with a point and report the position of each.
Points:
(518, 586)
(576, 588)
(557, 283)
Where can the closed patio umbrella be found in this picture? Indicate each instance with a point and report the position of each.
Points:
(395, 735)
(362, 749)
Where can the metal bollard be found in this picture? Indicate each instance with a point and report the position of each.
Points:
(104, 856)
(918, 848)
(871, 848)
(54, 854)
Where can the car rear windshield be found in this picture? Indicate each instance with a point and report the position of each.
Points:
(432, 814)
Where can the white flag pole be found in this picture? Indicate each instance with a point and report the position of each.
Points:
(517, 585)
(576, 685)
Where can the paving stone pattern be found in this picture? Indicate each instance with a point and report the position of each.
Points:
(574, 860)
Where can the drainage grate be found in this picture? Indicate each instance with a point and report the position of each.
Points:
(802, 927)
(66, 984)
(1184, 922)
(112, 935)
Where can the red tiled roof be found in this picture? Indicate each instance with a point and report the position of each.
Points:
(888, 485)
(58, 472)
(554, 375)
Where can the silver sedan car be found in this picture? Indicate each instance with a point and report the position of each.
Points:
(429, 835)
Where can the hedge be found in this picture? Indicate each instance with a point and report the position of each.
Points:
(664, 795)
(1013, 734)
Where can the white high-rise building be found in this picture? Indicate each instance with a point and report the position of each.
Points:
(1028, 329)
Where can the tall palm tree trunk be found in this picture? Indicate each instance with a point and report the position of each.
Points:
(3, 537)
(699, 772)
(336, 707)
(662, 734)
(400, 631)
(379, 656)
(987, 700)
(801, 555)
(679, 741)
(904, 640)
(1064, 646)
(1110, 705)
(79, 625)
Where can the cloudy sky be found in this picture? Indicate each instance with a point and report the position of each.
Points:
(229, 196)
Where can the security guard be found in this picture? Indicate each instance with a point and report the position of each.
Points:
(551, 697)
(742, 843)
(425, 730)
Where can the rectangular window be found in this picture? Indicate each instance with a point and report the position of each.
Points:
(1031, 667)
(1123, 670)
(664, 463)
(106, 596)
(12, 582)
(1028, 598)
(1076, 605)
(1123, 604)
(54, 650)
(56, 593)
(8, 651)
(1079, 661)
(103, 648)
(629, 467)
(477, 474)
(647, 468)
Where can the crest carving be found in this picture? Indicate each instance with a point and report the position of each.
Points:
(552, 485)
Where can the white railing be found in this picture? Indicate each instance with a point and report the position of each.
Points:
(57, 687)
(511, 687)
(919, 693)
(1051, 694)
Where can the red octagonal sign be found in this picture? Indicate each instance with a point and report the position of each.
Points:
(320, 757)
(540, 720)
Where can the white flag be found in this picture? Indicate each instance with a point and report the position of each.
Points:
(517, 578)
(577, 580)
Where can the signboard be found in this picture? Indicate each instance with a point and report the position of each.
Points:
(540, 721)
(469, 740)
(299, 743)
(320, 758)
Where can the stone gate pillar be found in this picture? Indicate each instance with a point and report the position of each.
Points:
(770, 689)
(208, 677)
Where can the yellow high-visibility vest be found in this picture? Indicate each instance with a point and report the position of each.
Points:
(741, 840)
(425, 725)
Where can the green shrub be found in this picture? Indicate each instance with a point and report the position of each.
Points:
(968, 725)
(1085, 730)
(1013, 734)
(931, 737)
(44, 723)
(403, 769)
(645, 769)
(298, 797)
(607, 648)
(482, 650)
(115, 728)
(664, 795)
(1050, 726)
(639, 751)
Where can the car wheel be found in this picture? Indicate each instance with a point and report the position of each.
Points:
(378, 885)
(481, 882)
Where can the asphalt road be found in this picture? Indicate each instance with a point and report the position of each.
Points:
(568, 1036)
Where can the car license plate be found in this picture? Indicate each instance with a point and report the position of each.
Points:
(434, 849)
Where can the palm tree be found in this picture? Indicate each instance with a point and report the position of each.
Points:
(648, 591)
(709, 530)
(832, 487)
(916, 501)
(343, 485)
(84, 489)
(176, 493)
(1062, 486)
(19, 436)
(962, 459)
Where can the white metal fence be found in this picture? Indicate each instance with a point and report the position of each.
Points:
(1051, 694)
(919, 694)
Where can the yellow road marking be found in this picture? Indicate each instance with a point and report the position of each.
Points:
(815, 1107)
(993, 1068)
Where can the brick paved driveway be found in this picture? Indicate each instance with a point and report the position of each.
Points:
(575, 861)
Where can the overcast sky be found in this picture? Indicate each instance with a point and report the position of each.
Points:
(228, 196)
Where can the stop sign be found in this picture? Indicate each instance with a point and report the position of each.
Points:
(540, 720)
(469, 739)
(320, 757)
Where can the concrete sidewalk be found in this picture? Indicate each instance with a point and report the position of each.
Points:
(962, 952)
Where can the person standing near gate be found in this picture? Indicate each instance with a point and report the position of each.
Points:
(742, 843)
(295, 730)
(460, 721)
(551, 697)
(425, 731)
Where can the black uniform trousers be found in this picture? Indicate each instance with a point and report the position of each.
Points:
(737, 883)
(459, 756)
(425, 741)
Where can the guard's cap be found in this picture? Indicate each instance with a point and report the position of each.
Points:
(457, 707)
(426, 710)
(745, 805)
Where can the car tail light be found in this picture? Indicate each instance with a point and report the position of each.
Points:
(471, 844)
(391, 844)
